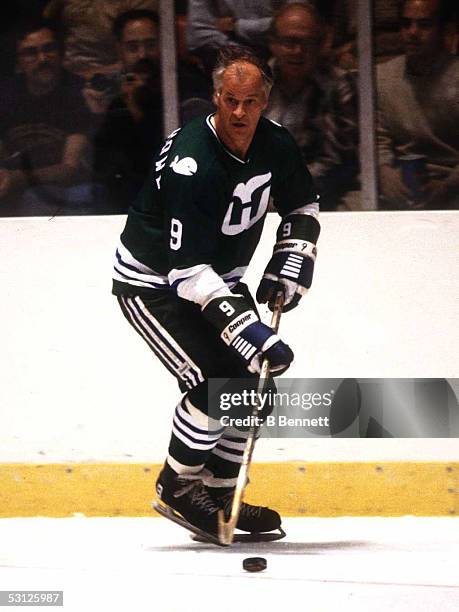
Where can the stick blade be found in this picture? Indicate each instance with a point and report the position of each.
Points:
(226, 529)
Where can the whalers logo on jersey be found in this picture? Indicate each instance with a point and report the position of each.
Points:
(186, 166)
(248, 205)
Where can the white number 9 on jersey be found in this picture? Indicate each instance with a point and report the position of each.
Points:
(226, 308)
(286, 229)
(176, 234)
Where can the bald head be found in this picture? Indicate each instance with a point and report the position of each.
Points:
(241, 62)
(245, 75)
(296, 14)
(296, 37)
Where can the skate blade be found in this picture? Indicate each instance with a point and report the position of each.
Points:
(173, 516)
(244, 538)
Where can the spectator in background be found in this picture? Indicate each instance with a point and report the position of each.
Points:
(87, 26)
(13, 13)
(91, 50)
(132, 128)
(386, 43)
(42, 130)
(315, 101)
(215, 24)
(418, 96)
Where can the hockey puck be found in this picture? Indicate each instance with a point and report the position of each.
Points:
(254, 564)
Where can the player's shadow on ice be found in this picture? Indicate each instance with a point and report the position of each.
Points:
(278, 548)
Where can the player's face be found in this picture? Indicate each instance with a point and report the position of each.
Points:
(420, 29)
(296, 44)
(239, 104)
(139, 41)
(38, 58)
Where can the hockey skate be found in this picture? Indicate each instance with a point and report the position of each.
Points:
(262, 524)
(188, 503)
(195, 506)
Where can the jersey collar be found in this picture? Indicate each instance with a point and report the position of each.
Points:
(210, 124)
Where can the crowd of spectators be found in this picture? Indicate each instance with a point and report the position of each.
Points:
(81, 110)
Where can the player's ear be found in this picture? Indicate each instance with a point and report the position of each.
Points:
(216, 98)
(264, 103)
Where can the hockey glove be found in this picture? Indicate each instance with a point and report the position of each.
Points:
(291, 266)
(241, 329)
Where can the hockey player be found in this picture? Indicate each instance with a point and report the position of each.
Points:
(185, 247)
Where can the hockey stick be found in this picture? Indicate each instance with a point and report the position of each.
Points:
(226, 528)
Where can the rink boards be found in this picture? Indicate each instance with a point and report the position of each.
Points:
(294, 488)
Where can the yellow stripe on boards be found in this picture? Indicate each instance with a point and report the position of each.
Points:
(292, 488)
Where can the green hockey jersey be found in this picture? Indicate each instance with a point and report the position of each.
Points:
(202, 205)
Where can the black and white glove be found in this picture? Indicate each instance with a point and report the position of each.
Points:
(291, 266)
(241, 329)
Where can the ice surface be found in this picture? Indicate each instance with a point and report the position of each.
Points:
(136, 564)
